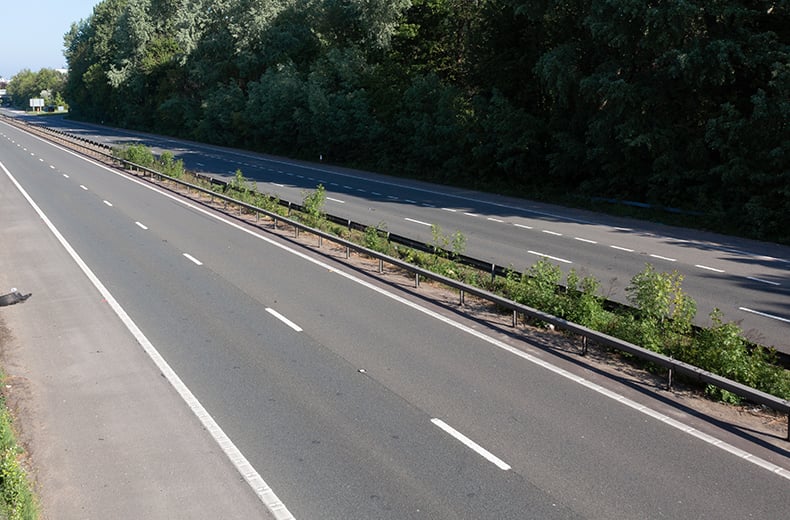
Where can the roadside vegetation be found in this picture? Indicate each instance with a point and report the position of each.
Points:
(17, 501)
(660, 317)
(681, 107)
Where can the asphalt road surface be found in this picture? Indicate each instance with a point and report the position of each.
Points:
(355, 402)
(748, 281)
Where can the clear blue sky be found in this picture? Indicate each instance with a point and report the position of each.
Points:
(31, 33)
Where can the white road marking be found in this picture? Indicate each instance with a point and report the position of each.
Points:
(66, 175)
(492, 219)
(392, 197)
(622, 249)
(763, 281)
(551, 233)
(348, 187)
(522, 226)
(471, 214)
(709, 268)
(141, 225)
(52, 167)
(417, 221)
(283, 319)
(265, 494)
(192, 259)
(375, 193)
(550, 257)
(336, 200)
(585, 240)
(664, 258)
(408, 200)
(469, 443)
(107, 202)
(279, 185)
(764, 314)
(83, 187)
(451, 210)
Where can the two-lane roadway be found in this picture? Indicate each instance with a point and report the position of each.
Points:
(355, 402)
(748, 281)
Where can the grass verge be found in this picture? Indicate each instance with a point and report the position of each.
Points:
(17, 501)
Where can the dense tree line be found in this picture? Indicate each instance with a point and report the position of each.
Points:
(47, 84)
(683, 103)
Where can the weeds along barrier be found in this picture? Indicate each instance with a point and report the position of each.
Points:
(586, 335)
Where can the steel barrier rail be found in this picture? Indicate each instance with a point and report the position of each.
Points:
(673, 366)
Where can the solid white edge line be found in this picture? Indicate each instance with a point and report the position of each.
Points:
(778, 470)
(283, 319)
(243, 466)
(192, 259)
(472, 445)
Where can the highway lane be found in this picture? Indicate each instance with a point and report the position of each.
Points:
(748, 281)
(339, 409)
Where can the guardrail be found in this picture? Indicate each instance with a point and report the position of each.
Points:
(587, 335)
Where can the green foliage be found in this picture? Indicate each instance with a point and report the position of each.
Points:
(46, 83)
(313, 207)
(447, 246)
(680, 104)
(375, 238)
(665, 312)
(16, 498)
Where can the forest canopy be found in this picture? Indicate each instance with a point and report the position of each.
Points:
(682, 104)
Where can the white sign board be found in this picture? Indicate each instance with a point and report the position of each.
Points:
(36, 102)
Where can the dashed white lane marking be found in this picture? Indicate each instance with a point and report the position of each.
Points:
(84, 187)
(548, 232)
(40, 159)
(764, 314)
(471, 214)
(336, 200)
(417, 221)
(66, 175)
(492, 219)
(542, 255)
(709, 268)
(51, 167)
(409, 201)
(763, 281)
(659, 257)
(107, 202)
(622, 249)
(348, 187)
(585, 240)
(283, 319)
(192, 259)
(141, 225)
(279, 185)
(237, 458)
(472, 445)
(392, 197)
(377, 194)
(451, 210)
(523, 226)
